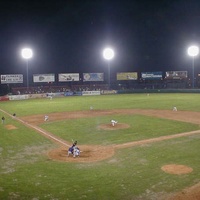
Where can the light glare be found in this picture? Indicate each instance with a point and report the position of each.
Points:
(108, 54)
(193, 51)
(27, 53)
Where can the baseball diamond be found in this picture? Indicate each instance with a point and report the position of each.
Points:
(95, 153)
(90, 153)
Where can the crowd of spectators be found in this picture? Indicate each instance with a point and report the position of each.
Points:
(124, 85)
(39, 90)
(57, 89)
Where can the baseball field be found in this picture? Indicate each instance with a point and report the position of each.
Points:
(151, 153)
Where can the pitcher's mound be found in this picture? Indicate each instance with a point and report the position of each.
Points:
(176, 169)
(116, 127)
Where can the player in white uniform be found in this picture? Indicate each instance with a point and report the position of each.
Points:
(76, 152)
(174, 108)
(113, 122)
(46, 118)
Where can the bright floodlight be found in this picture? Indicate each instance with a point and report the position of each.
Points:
(193, 51)
(27, 53)
(108, 54)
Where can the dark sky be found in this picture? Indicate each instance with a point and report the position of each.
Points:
(70, 35)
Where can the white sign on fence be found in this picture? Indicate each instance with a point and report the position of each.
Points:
(45, 78)
(11, 78)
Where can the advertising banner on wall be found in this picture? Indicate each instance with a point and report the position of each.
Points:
(90, 93)
(151, 75)
(43, 78)
(11, 78)
(127, 76)
(68, 77)
(18, 97)
(176, 75)
(93, 77)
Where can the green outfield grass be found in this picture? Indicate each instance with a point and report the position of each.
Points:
(133, 173)
(154, 101)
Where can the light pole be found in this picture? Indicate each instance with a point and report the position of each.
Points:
(108, 54)
(27, 54)
(193, 51)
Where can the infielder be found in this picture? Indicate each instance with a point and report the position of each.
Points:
(113, 122)
(46, 118)
(174, 108)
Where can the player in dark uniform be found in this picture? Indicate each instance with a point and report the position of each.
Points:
(3, 119)
(71, 149)
(74, 144)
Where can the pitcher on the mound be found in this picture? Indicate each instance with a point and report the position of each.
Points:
(113, 122)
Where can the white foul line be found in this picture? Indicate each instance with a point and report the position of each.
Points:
(36, 128)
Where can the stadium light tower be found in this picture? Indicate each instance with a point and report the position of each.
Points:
(108, 54)
(193, 51)
(27, 54)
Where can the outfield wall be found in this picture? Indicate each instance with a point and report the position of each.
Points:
(92, 93)
(159, 91)
(4, 98)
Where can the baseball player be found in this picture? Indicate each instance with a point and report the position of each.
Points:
(76, 152)
(74, 144)
(174, 108)
(113, 122)
(70, 151)
(3, 119)
(46, 118)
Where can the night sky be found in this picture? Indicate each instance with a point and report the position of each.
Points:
(69, 36)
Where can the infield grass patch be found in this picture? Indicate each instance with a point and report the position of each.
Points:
(87, 131)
